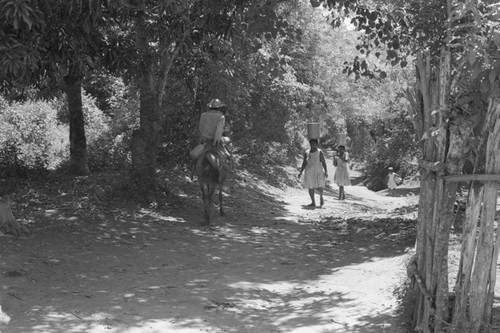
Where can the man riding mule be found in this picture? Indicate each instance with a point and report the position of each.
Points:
(210, 157)
(211, 127)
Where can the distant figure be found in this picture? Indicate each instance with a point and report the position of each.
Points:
(392, 179)
(315, 172)
(341, 177)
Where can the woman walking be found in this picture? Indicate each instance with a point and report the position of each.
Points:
(315, 172)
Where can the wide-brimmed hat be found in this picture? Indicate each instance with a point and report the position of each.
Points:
(215, 104)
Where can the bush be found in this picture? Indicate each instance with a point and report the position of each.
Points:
(31, 138)
(110, 152)
(394, 147)
(109, 138)
(361, 143)
(96, 122)
(256, 152)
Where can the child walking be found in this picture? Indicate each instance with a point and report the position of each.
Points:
(315, 172)
(392, 179)
(341, 177)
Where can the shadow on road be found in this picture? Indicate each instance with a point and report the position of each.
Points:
(131, 269)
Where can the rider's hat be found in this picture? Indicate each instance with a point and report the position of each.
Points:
(216, 104)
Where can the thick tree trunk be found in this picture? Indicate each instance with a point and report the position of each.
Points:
(145, 144)
(146, 139)
(77, 139)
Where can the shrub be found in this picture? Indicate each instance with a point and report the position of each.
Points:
(110, 152)
(96, 122)
(361, 143)
(109, 138)
(31, 138)
(394, 146)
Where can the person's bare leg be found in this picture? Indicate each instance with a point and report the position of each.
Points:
(321, 202)
(341, 192)
(311, 194)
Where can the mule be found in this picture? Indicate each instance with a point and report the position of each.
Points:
(211, 173)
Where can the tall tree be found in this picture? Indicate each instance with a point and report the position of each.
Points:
(153, 37)
(150, 36)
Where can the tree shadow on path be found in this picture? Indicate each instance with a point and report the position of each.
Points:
(157, 270)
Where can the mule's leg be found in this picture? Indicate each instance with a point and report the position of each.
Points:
(210, 194)
(205, 199)
(221, 206)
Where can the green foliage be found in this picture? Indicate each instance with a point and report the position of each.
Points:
(35, 136)
(393, 146)
(110, 151)
(96, 122)
(361, 143)
(180, 126)
(105, 88)
(31, 138)
(109, 137)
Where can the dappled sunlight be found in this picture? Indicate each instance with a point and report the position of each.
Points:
(157, 217)
(55, 322)
(267, 266)
(304, 303)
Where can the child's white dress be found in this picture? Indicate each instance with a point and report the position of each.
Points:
(314, 175)
(341, 177)
(391, 183)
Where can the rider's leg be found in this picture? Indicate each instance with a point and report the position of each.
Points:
(193, 168)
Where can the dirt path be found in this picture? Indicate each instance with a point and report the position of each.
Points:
(270, 265)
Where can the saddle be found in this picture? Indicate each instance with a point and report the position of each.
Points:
(213, 159)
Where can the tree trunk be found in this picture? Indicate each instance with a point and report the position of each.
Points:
(145, 144)
(77, 138)
(146, 139)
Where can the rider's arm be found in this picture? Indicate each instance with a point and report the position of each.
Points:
(219, 130)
